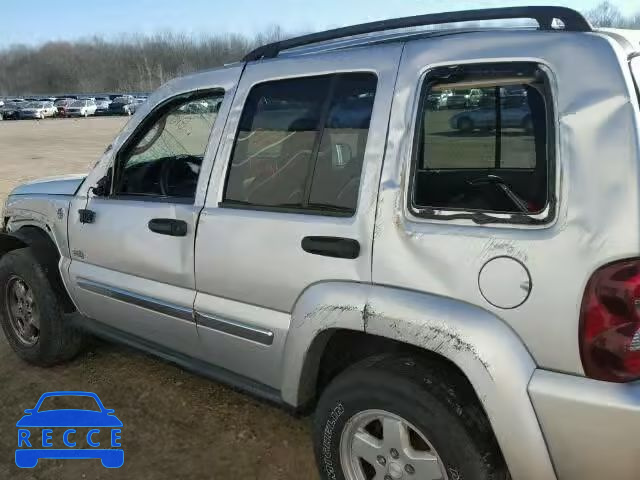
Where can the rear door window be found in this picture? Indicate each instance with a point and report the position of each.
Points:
(301, 143)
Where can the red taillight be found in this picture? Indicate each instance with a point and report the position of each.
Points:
(610, 323)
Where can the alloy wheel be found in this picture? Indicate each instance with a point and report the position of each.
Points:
(22, 310)
(376, 444)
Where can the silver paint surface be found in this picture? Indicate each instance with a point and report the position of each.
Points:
(57, 185)
(416, 280)
(591, 427)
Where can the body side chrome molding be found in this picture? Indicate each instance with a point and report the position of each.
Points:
(234, 328)
(143, 301)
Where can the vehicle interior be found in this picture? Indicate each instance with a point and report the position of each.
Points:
(494, 168)
(166, 160)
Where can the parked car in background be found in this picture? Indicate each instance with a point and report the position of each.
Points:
(82, 108)
(122, 105)
(102, 106)
(62, 105)
(484, 118)
(11, 110)
(38, 110)
(136, 104)
(453, 99)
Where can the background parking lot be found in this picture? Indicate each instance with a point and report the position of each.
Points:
(176, 425)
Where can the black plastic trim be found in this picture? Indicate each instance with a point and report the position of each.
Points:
(298, 210)
(573, 22)
(199, 367)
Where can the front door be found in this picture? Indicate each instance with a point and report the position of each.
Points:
(132, 238)
(292, 199)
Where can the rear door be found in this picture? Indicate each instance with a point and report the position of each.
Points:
(292, 198)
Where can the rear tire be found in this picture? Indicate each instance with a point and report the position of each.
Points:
(57, 340)
(440, 411)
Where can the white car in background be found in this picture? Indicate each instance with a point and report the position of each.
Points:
(82, 108)
(38, 110)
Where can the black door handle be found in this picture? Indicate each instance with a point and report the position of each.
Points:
(168, 226)
(337, 247)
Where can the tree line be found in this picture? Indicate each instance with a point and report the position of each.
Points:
(142, 63)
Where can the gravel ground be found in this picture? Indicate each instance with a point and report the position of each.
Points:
(176, 425)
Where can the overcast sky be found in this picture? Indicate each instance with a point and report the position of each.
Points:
(38, 21)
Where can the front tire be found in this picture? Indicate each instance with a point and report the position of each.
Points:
(393, 417)
(31, 313)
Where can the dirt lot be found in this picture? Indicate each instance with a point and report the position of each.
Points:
(176, 425)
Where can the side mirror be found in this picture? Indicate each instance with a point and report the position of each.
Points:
(29, 411)
(109, 411)
(103, 187)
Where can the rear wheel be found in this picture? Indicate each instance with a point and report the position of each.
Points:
(393, 418)
(31, 313)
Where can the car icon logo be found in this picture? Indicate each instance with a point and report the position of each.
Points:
(68, 433)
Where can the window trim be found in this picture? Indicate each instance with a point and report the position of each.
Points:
(483, 217)
(142, 129)
(635, 72)
(333, 78)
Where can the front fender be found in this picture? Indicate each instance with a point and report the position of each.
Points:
(486, 350)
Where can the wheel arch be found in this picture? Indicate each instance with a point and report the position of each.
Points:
(46, 252)
(10, 242)
(486, 350)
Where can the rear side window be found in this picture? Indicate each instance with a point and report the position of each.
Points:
(484, 144)
(301, 143)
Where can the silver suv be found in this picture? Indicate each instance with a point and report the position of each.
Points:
(453, 291)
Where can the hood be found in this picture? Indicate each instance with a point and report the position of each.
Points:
(60, 185)
(69, 418)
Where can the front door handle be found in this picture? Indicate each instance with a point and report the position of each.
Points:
(337, 247)
(168, 226)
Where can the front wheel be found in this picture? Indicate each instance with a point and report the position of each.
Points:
(395, 418)
(31, 313)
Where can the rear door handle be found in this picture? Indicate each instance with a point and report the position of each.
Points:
(168, 226)
(337, 247)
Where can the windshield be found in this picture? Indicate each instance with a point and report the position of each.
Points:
(69, 402)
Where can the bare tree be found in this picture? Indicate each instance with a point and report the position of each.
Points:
(137, 63)
(132, 63)
(606, 14)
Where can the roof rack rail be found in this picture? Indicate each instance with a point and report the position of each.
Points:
(573, 21)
